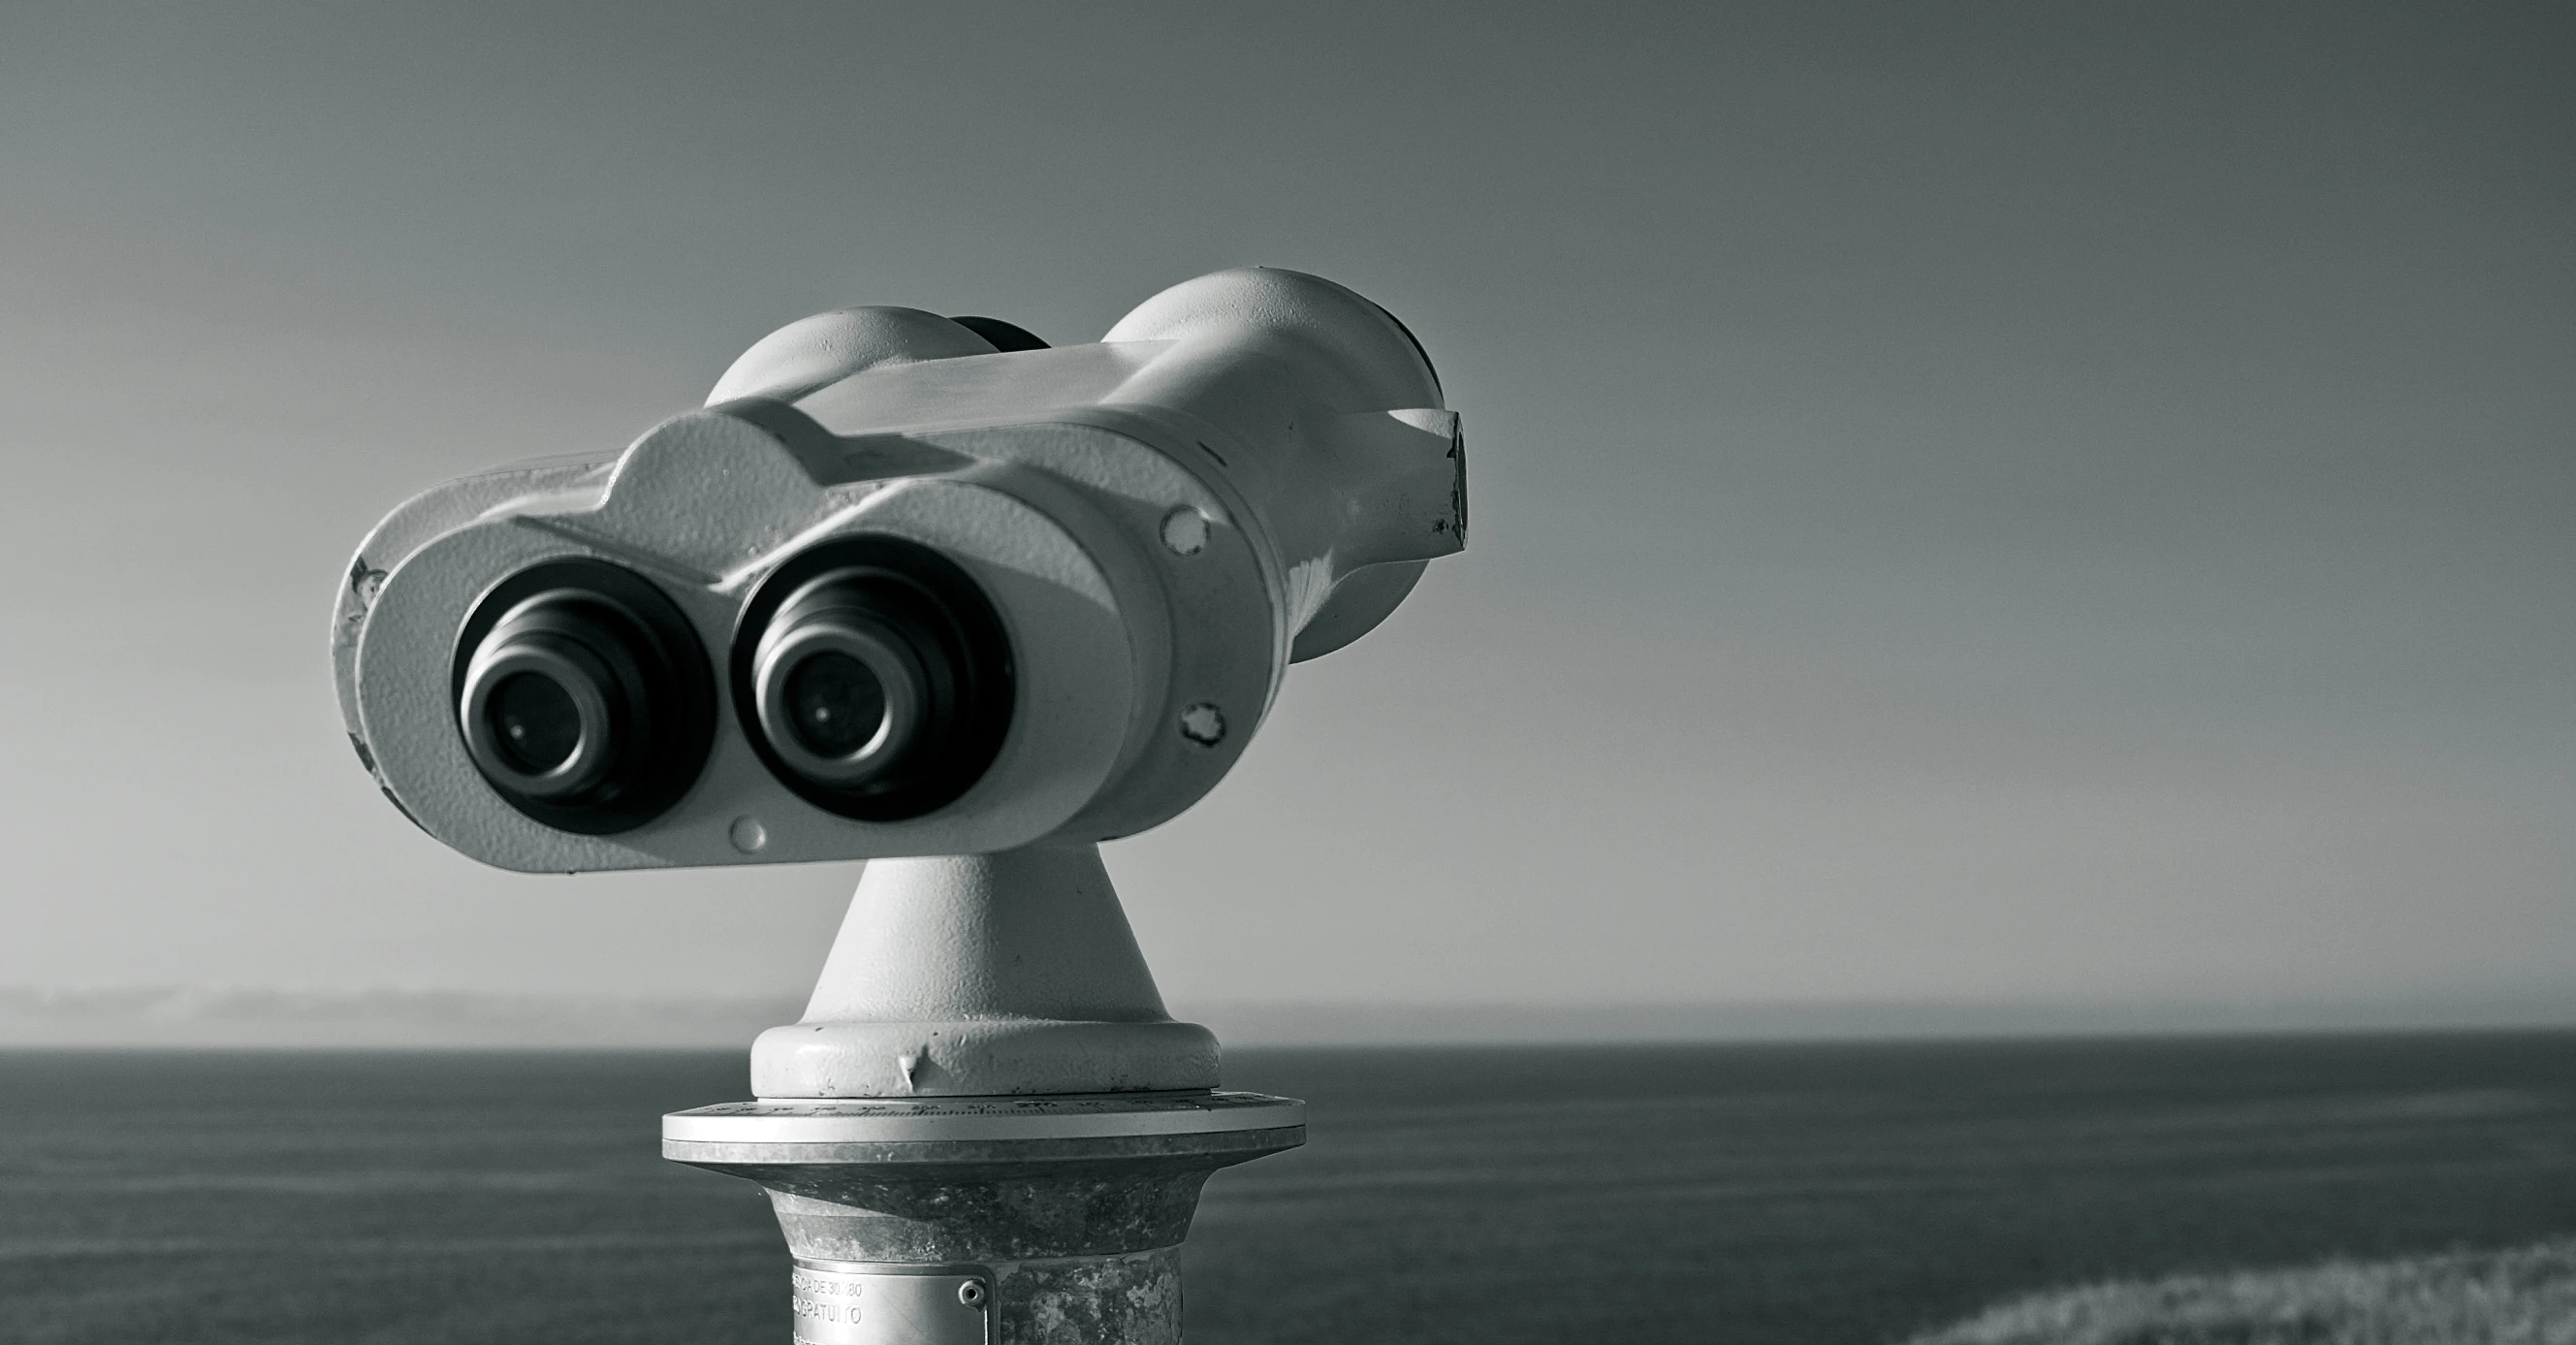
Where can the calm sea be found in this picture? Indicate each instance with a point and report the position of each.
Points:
(1840, 1193)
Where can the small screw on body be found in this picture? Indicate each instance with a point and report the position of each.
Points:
(1185, 531)
(1203, 724)
(971, 1293)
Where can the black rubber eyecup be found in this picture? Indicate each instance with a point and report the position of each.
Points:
(894, 633)
(583, 696)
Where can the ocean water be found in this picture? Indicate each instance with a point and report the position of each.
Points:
(1806, 1193)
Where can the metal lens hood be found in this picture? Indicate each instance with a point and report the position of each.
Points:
(873, 677)
(583, 696)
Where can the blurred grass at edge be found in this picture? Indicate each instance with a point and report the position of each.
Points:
(2521, 1297)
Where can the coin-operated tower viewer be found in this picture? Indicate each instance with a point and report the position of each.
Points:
(926, 592)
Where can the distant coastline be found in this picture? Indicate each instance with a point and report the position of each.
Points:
(1794, 1192)
(167, 1017)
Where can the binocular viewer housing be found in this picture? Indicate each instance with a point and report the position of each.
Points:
(927, 592)
(907, 585)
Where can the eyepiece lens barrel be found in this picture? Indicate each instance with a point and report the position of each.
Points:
(582, 696)
(550, 702)
(843, 683)
(834, 703)
(873, 677)
(534, 722)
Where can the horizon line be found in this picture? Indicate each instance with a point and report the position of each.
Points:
(245, 1017)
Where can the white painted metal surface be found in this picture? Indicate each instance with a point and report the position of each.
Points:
(914, 1120)
(1011, 973)
(1251, 468)
(899, 595)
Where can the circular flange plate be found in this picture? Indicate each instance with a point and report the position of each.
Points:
(907, 1120)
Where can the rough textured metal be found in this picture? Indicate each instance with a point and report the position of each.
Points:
(1353, 356)
(1289, 415)
(984, 974)
(1075, 666)
(987, 1178)
(1091, 1300)
(1078, 1231)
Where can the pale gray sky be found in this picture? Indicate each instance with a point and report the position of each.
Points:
(1972, 502)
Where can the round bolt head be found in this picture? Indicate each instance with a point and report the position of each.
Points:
(1203, 724)
(1185, 531)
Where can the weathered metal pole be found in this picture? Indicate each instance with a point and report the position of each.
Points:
(986, 1129)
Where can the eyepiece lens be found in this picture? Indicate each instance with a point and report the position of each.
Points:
(582, 696)
(535, 722)
(873, 677)
(834, 703)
